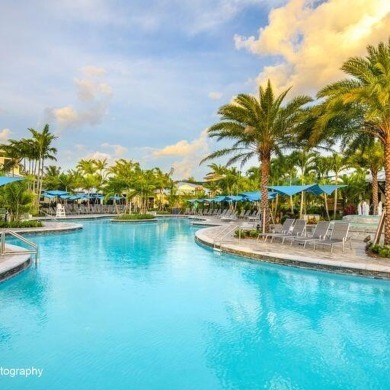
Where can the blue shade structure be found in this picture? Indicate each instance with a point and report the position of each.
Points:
(316, 189)
(116, 197)
(5, 180)
(255, 196)
(55, 193)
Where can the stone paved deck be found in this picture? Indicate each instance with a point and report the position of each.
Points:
(353, 261)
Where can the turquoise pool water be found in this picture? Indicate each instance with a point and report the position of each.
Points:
(120, 306)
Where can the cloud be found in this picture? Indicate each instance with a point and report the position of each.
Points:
(310, 40)
(92, 105)
(93, 71)
(190, 152)
(183, 147)
(4, 134)
(119, 150)
(215, 95)
(89, 90)
(98, 156)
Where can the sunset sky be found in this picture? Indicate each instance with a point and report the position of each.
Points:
(143, 80)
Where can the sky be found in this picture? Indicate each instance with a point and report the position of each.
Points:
(143, 79)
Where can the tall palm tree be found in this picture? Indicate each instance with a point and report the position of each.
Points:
(304, 160)
(366, 90)
(367, 152)
(322, 169)
(41, 145)
(260, 127)
(337, 164)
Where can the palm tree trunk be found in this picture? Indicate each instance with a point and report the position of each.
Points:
(387, 191)
(374, 175)
(301, 208)
(265, 168)
(326, 206)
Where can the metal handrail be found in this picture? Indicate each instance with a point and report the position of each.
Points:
(48, 215)
(3, 251)
(225, 232)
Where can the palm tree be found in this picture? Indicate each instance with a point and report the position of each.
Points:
(17, 199)
(42, 150)
(122, 177)
(51, 180)
(337, 164)
(260, 128)
(367, 91)
(322, 169)
(367, 152)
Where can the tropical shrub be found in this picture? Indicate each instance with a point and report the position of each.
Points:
(20, 224)
(17, 199)
(380, 250)
(132, 217)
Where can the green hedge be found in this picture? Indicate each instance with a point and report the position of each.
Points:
(132, 217)
(20, 224)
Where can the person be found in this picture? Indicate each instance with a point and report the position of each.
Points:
(359, 208)
(380, 208)
(365, 208)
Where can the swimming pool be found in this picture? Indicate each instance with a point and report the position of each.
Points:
(118, 306)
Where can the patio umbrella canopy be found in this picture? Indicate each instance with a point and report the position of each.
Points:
(55, 192)
(5, 180)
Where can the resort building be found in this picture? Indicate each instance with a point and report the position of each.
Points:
(9, 166)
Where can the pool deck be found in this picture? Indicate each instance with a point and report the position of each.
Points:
(353, 261)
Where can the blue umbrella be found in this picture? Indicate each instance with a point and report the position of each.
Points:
(5, 180)
(116, 197)
(48, 195)
(56, 192)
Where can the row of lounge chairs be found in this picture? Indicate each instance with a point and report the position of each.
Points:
(79, 209)
(294, 232)
(222, 213)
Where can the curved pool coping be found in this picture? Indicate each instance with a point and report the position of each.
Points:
(49, 227)
(276, 256)
(13, 264)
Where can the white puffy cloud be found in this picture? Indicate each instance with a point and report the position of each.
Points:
(311, 40)
(92, 105)
(4, 134)
(119, 150)
(215, 95)
(187, 154)
(89, 90)
(93, 71)
(98, 156)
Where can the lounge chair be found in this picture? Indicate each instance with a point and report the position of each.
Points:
(231, 217)
(298, 230)
(319, 233)
(287, 225)
(339, 236)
